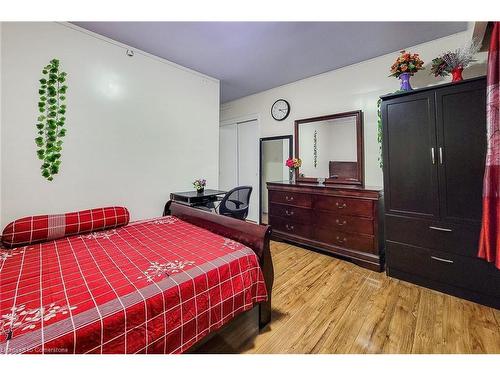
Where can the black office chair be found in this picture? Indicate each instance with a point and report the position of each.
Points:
(235, 202)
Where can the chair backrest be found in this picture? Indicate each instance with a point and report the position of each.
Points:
(235, 203)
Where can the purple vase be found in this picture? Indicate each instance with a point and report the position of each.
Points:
(405, 81)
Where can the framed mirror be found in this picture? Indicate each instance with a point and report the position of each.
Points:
(331, 149)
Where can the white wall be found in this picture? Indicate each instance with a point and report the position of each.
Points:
(350, 88)
(138, 127)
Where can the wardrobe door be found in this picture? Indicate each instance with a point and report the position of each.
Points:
(461, 127)
(409, 149)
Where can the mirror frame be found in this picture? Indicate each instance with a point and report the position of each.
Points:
(359, 144)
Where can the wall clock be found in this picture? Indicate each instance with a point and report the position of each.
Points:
(280, 109)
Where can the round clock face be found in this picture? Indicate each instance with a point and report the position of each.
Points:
(280, 109)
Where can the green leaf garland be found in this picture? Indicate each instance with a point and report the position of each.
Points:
(380, 130)
(51, 120)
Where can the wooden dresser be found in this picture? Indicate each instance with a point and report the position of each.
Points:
(339, 219)
(434, 157)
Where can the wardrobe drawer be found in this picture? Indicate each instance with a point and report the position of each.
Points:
(460, 239)
(344, 206)
(411, 259)
(291, 213)
(343, 239)
(287, 226)
(350, 224)
(451, 269)
(290, 198)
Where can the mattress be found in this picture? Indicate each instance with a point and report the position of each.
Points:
(154, 286)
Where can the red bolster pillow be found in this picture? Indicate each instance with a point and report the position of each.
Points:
(33, 229)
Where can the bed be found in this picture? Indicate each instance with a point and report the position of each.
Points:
(153, 286)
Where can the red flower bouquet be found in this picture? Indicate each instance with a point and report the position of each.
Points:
(293, 163)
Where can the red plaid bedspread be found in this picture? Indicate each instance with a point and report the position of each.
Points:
(155, 286)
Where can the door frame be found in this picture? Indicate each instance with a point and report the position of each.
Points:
(239, 120)
(290, 155)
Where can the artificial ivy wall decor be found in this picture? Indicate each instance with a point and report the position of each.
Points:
(51, 119)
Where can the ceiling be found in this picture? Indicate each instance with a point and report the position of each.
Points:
(249, 57)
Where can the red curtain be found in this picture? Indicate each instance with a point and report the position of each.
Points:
(489, 243)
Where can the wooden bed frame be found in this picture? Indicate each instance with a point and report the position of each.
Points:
(255, 236)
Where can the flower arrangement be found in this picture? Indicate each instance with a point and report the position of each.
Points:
(456, 61)
(463, 56)
(199, 184)
(406, 63)
(439, 67)
(293, 163)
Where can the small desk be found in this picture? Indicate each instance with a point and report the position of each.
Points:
(193, 198)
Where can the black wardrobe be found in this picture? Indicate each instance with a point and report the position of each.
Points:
(434, 147)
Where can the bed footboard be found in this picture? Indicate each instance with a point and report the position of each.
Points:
(252, 235)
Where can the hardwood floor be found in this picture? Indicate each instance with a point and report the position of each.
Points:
(325, 305)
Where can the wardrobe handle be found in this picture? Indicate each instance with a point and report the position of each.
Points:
(441, 229)
(442, 260)
(289, 213)
(433, 158)
(343, 205)
(288, 199)
(289, 227)
(440, 155)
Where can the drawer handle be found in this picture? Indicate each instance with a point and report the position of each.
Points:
(288, 199)
(341, 223)
(441, 229)
(341, 240)
(343, 205)
(289, 213)
(288, 227)
(442, 260)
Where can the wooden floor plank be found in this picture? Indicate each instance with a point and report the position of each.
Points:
(375, 328)
(346, 330)
(402, 327)
(429, 326)
(483, 329)
(328, 305)
(325, 305)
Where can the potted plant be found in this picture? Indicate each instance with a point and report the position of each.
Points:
(404, 67)
(199, 185)
(439, 67)
(456, 61)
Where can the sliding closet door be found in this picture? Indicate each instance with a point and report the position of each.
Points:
(248, 163)
(228, 157)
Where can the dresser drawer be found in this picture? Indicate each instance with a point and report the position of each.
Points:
(287, 226)
(291, 213)
(348, 240)
(464, 272)
(290, 198)
(349, 224)
(461, 239)
(344, 206)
